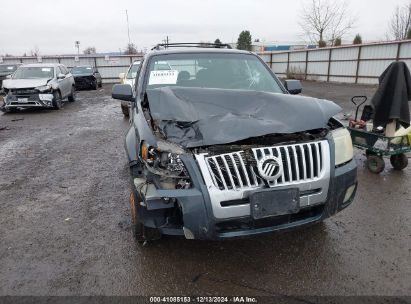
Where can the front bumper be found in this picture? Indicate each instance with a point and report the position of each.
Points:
(200, 221)
(85, 82)
(29, 101)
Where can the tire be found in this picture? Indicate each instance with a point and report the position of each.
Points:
(369, 152)
(399, 161)
(137, 227)
(125, 110)
(94, 85)
(141, 233)
(375, 164)
(72, 96)
(57, 101)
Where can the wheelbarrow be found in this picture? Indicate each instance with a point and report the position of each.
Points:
(376, 144)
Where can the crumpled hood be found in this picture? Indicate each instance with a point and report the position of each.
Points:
(194, 117)
(24, 83)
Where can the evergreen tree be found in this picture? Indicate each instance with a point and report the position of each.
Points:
(244, 41)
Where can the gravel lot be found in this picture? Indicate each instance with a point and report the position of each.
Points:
(65, 224)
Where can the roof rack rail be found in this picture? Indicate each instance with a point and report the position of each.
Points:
(192, 44)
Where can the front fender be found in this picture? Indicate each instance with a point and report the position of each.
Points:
(131, 143)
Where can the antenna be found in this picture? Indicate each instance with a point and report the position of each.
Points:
(128, 29)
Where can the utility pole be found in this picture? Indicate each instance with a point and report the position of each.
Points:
(128, 29)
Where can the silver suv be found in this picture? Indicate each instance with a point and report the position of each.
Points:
(38, 85)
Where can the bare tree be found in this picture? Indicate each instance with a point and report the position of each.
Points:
(90, 50)
(35, 52)
(131, 49)
(323, 20)
(400, 23)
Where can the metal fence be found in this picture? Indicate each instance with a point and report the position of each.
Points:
(109, 66)
(353, 64)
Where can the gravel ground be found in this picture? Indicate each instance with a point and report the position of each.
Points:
(65, 224)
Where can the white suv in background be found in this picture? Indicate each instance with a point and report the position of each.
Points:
(131, 76)
(43, 85)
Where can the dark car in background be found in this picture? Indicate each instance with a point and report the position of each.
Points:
(6, 70)
(86, 77)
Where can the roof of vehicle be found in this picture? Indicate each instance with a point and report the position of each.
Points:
(197, 51)
(9, 64)
(42, 65)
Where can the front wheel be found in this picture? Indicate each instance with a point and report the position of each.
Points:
(125, 109)
(141, 233)
(375, 164)
(57, 102)
(399, 161)
(94, 85)
(72, 96)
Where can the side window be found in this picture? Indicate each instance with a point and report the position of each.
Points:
(138, 77)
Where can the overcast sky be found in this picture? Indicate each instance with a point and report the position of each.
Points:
(54, 25)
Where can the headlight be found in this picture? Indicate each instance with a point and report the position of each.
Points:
(44, 88)
(163, 160)
(343, 146)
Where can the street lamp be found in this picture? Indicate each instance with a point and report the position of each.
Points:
(77, 45)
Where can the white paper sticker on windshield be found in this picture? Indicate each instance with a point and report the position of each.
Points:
(9, 68)
(45, 69)
(163, 77)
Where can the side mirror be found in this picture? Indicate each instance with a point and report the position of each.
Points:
(122, 75)
(122, 92)
(293, 86)
(8, 76)
(61, 76)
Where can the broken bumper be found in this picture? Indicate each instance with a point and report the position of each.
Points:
(200, 221)
(85, 82)
(32, 101)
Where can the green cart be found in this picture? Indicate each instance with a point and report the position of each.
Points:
(376, 146)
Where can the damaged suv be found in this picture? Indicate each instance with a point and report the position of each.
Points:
(38, 85)
(219, 148)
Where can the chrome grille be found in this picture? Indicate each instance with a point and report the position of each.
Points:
(24, 92)
(238, 170)
(229, 171)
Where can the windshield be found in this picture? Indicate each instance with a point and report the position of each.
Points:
(7, 68)
(81, 70)
(34, 72)
(132, 72)
(221, 71)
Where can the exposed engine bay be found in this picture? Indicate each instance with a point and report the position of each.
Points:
(167, 168)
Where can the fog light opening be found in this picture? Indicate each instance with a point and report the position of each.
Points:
(349, 193)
